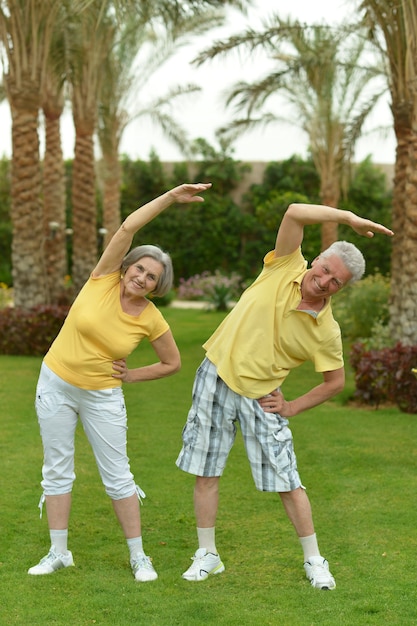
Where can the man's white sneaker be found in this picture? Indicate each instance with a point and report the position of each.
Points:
(142, 568)
(204, 564)
(317, 571)
(51, 563)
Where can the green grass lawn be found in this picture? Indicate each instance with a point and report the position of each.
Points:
(359, 467)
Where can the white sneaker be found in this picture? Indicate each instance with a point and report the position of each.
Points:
(51, 563)
(204, 564)
(142, 568)
(317, 571)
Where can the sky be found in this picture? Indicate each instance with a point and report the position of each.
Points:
(202, 113)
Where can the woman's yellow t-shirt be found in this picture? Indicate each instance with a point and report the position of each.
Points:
(97, 331)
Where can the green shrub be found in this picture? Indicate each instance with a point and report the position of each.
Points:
(6, 295)
(217, 289)
(163, 300)
(31, 332)
(362, 308)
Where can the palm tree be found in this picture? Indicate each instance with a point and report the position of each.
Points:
(126, 79)
(138, 52)
(322, 75)
(53, 180)
(53, 172)
(26, 28)
(393, 24)
(92, 35)
(93, 44)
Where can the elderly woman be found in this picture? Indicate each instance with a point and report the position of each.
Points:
(83, 371)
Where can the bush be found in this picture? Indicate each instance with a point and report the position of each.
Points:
(31, 332)
(370, 195)
(6, 296)
(217, 288)
(161, 301)
(362, 308)
(191, 288)
(385, 375)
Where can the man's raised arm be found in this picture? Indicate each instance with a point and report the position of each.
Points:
(291, 231)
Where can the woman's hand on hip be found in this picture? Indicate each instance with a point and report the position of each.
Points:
(121, 370)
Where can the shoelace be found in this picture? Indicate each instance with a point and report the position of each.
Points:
(197, 560)
(320, 572)
(51, 556)
(141, 562)
(198, 557)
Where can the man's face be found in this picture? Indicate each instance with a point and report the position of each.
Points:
(326, 277)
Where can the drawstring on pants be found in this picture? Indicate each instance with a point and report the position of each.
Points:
(40, 505)
(140, 493)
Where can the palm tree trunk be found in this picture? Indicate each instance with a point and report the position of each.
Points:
(111, 195)
(29, 285)
(84, 214)
(398, 24)
(330, 195)
(404, 251)
(54, 203)
(399, 317)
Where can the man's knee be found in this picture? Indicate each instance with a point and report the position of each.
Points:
(207, 483)
(294, 494)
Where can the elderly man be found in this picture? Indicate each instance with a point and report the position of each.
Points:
(282, 320)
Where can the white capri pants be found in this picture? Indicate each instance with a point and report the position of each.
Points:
(104, 419)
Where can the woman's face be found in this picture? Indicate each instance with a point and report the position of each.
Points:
(142, 277)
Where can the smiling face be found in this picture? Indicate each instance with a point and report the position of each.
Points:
(141, 278)
(326, 277)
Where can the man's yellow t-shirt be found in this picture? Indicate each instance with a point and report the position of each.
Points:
(264, 337)
(97, 331)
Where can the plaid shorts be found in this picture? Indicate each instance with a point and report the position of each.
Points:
(210, 432)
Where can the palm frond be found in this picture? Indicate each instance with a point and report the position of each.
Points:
(238, 127)
(252, 96)
(329, 79)
(171, 128)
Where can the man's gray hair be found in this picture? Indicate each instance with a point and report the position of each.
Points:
(351, 257)
(154, 252)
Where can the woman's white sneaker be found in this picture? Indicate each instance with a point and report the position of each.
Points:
(52, 562)
(142, 568)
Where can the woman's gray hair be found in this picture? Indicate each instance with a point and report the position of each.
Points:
(351, 257)
(166, 278)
